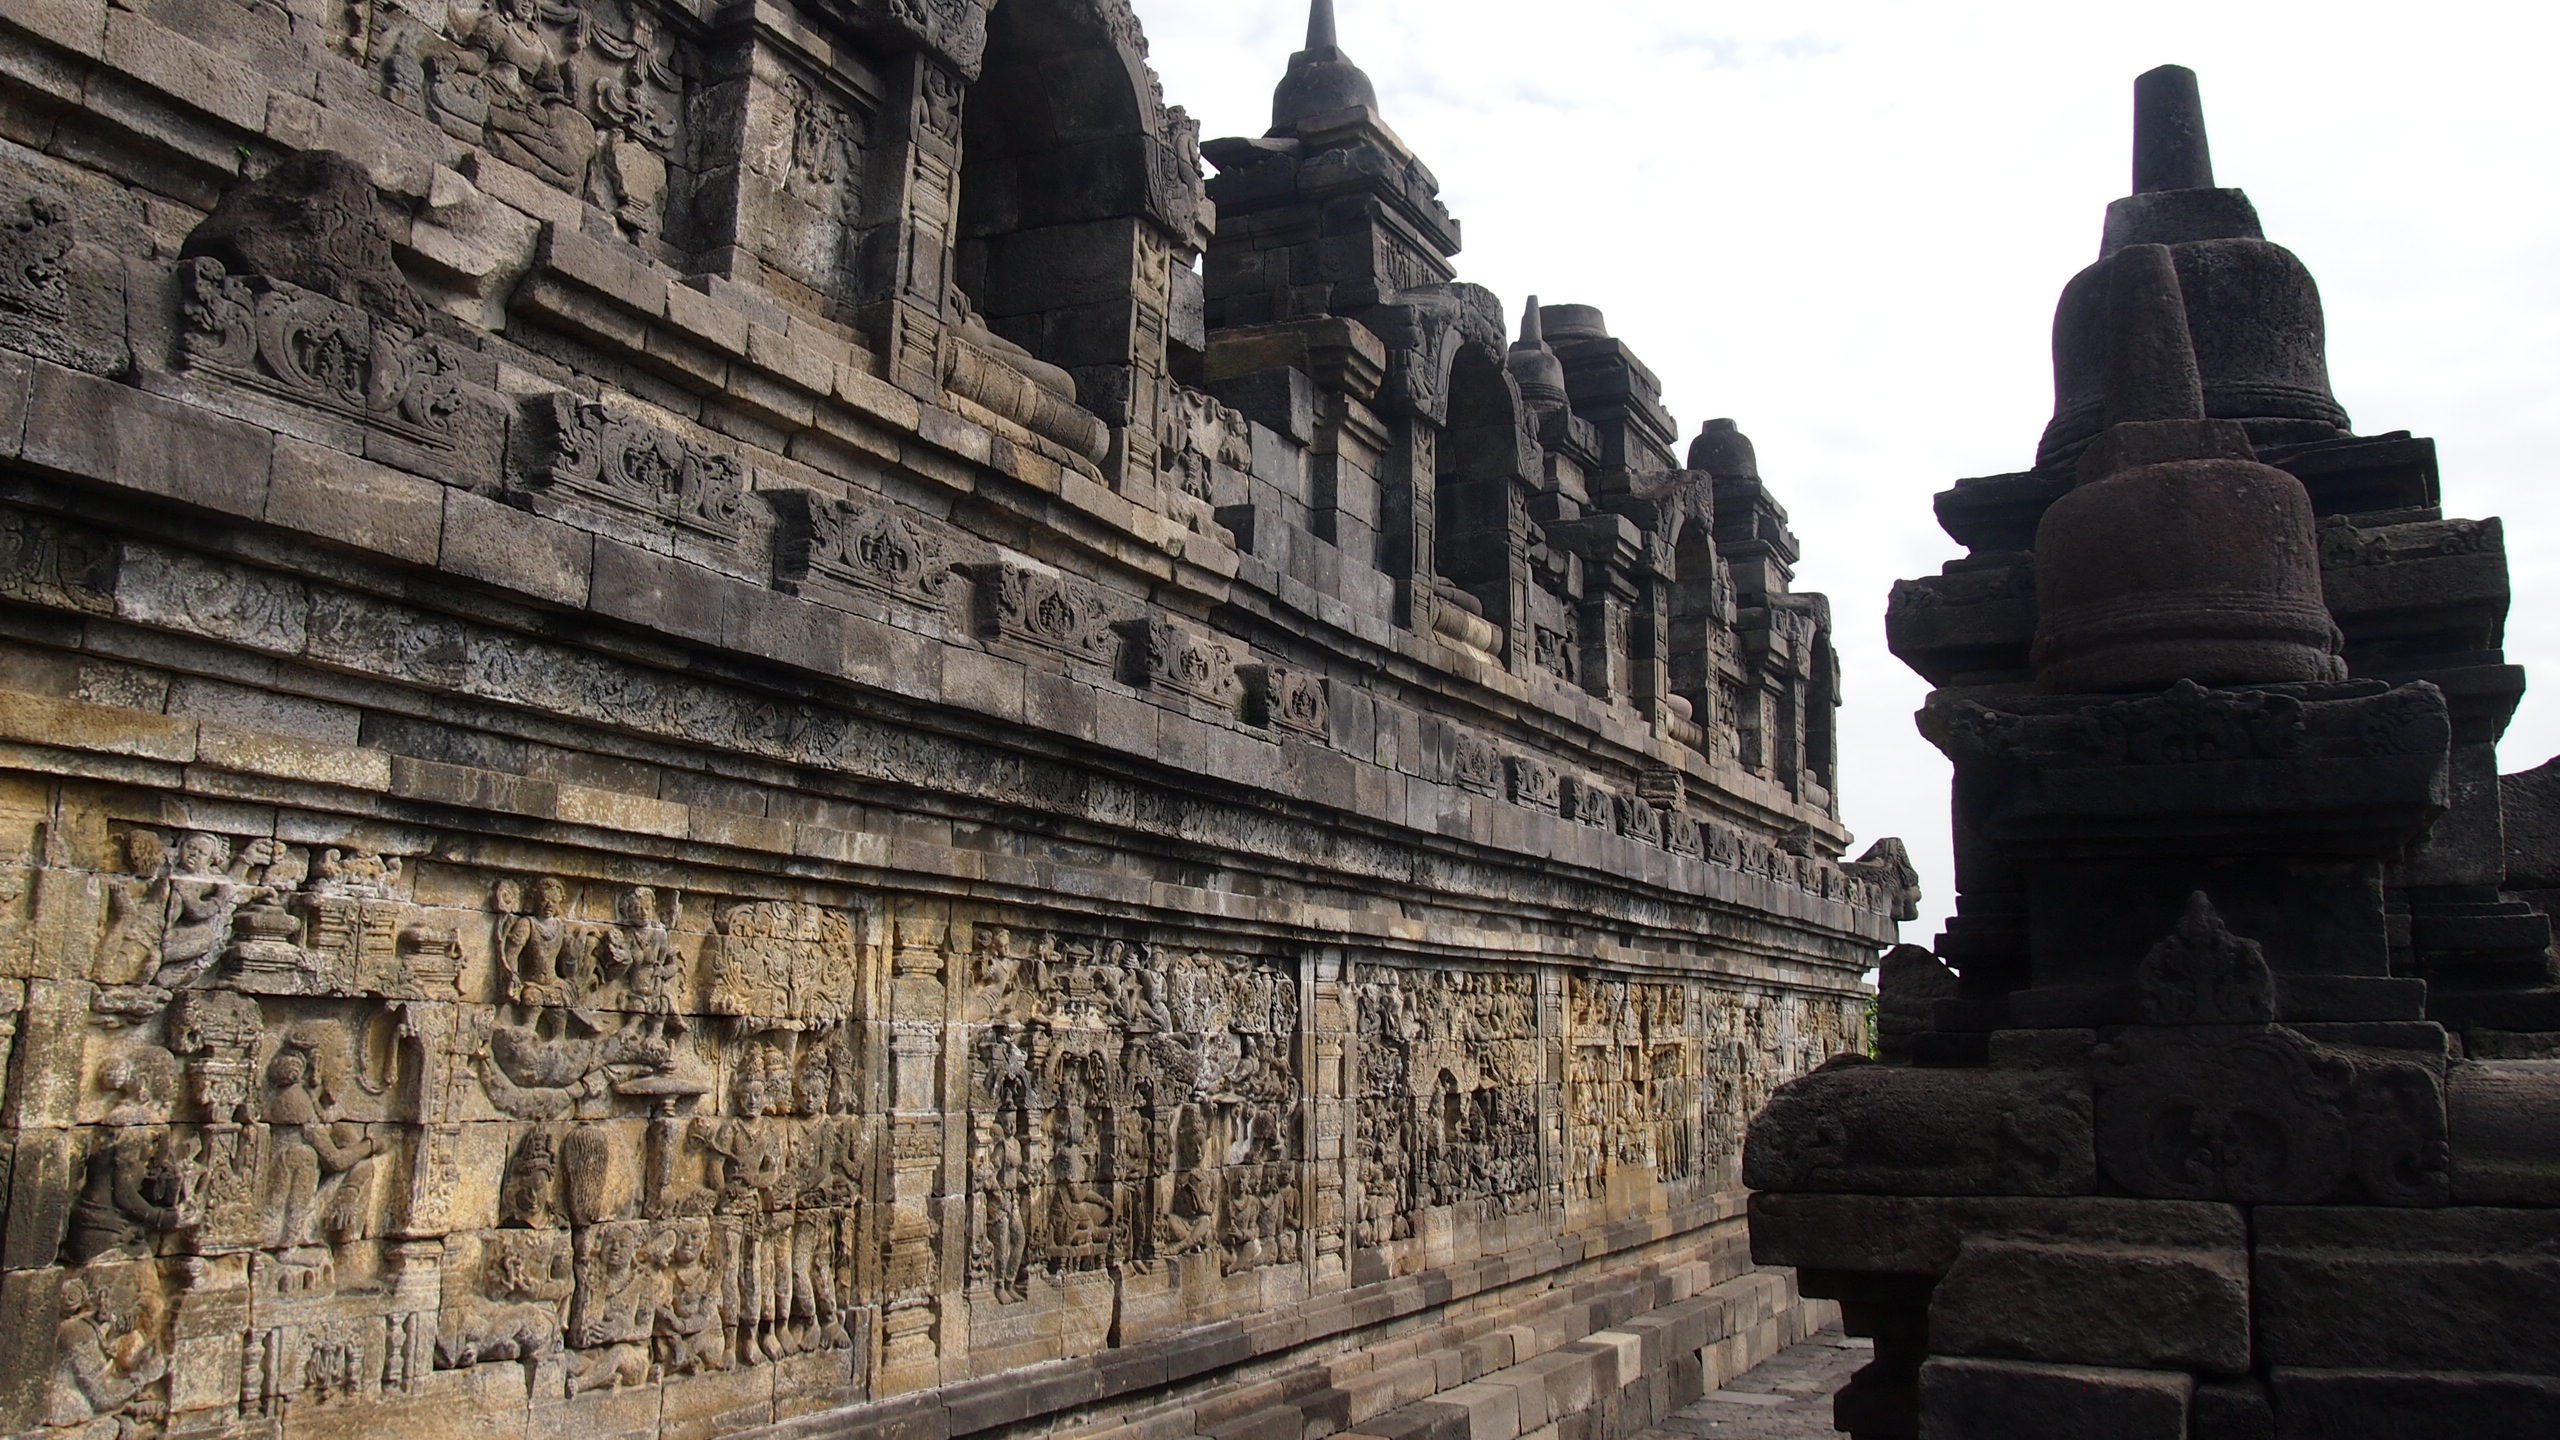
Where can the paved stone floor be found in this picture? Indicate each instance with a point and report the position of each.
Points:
(1787, 1398)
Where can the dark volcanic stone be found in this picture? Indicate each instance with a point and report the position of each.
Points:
(2179, 557)
(312, 221)
(2170, 150)
(1983, 1399)
(2139, 1307)
(2532, 803)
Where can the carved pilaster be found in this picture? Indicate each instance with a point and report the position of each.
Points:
(1408, 519)
(1554, 1055)
(1324, 1048)
(910, 215)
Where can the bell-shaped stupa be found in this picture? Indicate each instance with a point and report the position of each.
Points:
(2253, 310)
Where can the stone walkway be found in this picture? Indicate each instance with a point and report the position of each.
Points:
(1787, 1398)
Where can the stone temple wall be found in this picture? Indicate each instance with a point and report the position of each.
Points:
(693, 731)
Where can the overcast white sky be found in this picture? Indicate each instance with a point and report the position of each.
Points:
(1845, 225)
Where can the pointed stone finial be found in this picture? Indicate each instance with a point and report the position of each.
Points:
(1534, 364)
(1321, 79)
(2151, 358)
(1320, 31)
(2169, 147)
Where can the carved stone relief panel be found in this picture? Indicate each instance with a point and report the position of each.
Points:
(384, 1117)
(839, 544)
(1633, 1086)
(426, 395)
(1449, 1114)
(1286, 697)
(1130, 1109)
(1589, 802)
(1754, 1042)
(1158, 652)
(1638, 819)
(808, 143)
(1535, 783)
(62, 286)
(1473, 762)
(48, 562)
(1205, 453)
(589, 98)
(1047, 610)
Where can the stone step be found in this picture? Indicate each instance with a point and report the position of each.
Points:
(1614, 1382)
(1596, 1360)
(1342, 1392)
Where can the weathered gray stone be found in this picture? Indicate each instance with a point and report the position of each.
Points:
(2359, 1289)
(642, 795)
(2385, 1404)
(312, 220)
(2254, 905)
(2503, 1120)
(1973, 1399)
(98, 430)
(2124, 1306)
(1922, 1235)
(1880, 1129)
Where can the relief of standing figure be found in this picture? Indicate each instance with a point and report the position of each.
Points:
(322, 1181)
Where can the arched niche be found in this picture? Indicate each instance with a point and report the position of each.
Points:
(1701, 610)
(1477, 481)
(1078, 201)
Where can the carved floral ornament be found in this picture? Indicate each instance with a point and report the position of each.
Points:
(626, 467)
(309, 348)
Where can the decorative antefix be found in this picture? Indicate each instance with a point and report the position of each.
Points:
(2198, 1124)
(737, 718)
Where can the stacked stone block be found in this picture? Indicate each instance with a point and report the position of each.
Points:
(2198, 1122)
(667, 769)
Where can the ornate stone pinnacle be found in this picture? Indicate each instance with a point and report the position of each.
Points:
(1534, 364)
(1321, 79)
(1320, 31)
(2169, 147)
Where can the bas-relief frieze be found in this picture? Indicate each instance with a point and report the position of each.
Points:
(1632, 1084)
(1129, 1108)
(341, 1120)
(1449, 1111)
(335, 1122)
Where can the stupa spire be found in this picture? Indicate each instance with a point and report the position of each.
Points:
(1321, 79)
(2170, 151)
(1534, 364)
